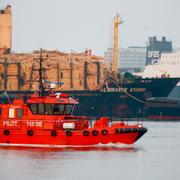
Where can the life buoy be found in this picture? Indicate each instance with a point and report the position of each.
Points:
(68, 133)
(53, 133)
(95, 132)
(6, 132)
(30, 132)
(86, 133)
(104, 132)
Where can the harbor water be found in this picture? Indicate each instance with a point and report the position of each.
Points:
(155, 156)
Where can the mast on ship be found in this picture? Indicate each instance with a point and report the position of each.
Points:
(45, 86)
(114, 67)
(41, 83)
(41, 70)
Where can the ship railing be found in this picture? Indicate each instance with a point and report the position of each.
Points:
(128, 121)
(113, 120)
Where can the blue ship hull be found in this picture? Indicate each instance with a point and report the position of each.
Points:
(126, 99)
(163, 108)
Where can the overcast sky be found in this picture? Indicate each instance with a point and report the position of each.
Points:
(78, 24)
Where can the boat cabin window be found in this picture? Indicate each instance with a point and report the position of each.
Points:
(51, 109)
(19, 113)
(58, 109)
(15, 113)
(48, 108)
(40, 108)
(33, 108)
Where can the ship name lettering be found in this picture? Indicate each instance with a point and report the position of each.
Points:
(10, 123)
(137, 90)
(117, 89)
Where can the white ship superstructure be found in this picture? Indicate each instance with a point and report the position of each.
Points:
(167, 65)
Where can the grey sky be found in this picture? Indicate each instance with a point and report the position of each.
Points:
(80, 24)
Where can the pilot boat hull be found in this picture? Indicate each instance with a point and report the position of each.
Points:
(49, 121)
(40, 138)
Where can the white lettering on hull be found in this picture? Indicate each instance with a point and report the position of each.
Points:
(34, 123)
(10, 123)
(125, 90)
(28, 123)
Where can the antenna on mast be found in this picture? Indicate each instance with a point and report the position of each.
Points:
(39, 60)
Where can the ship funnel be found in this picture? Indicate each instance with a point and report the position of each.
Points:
(117, 21)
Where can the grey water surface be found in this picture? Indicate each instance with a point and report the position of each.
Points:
(156, 156)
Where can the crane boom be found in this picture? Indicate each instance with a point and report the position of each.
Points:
(114, 67)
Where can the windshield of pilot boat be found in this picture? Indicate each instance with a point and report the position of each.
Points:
(51, 109)
(58, 108)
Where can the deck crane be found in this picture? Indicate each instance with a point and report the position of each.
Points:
(117, 22)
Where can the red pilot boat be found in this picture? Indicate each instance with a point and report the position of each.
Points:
(46, 119)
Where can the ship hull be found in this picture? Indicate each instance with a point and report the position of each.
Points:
(44, 138)
(123, 100)
(127, 100)
(163, 108)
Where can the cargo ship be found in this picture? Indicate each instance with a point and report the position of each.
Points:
(165, 64)
(112, 96)
(168, 108)
(126, 100)
(126, 96)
